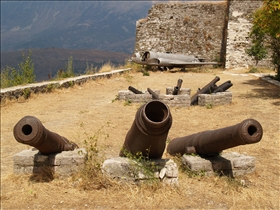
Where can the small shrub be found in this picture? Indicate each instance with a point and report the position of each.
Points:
(106, 67)
(253, 70)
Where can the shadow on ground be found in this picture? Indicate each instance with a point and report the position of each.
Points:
(264, 90)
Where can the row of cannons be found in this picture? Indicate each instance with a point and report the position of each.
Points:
(211, 89)
(148, 136)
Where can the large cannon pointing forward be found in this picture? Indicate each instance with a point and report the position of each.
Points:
(148, 133)
(214, 141)
(29, 130)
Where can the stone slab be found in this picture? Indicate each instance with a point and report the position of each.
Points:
(215, 99)
(233, 164)
(125, 169)
(63, 163)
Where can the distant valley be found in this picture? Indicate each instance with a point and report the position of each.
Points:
(92, 32)
(48, 61)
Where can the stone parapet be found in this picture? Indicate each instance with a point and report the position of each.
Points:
(233, 164)
(129, 170)
(63, 164)
(44, 87)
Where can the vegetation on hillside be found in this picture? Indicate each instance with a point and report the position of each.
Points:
(23, 75)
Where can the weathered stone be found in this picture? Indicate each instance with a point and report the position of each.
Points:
(125, 169)
(64, 163)
(215, 99)
(233, 164)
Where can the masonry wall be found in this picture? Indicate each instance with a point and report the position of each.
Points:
(217, 31)
(189, 28)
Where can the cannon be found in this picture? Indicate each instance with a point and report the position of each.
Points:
(29, 130)
(148, 133)
(134, 90)
(212, 142)
(154, 95)
(209, 88)
(223, 87)
(177, 87)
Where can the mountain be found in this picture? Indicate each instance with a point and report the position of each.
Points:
(102, 25)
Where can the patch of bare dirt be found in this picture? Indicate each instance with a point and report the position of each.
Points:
(82, 111)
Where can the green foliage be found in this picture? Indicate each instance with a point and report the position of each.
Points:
(142, 166)
(266, 25)
(24, 75)
(146, 73)
(26, 93)
(69, 72)
(127, 102)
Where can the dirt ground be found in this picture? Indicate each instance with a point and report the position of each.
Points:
(91, 109)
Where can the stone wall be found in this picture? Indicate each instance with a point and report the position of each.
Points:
(189, 28)
(217, 31)
(239, 26)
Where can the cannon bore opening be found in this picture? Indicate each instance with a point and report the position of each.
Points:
(252, 130)
(26, 130)
(156, 112)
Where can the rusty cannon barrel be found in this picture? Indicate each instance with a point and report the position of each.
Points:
(177, 87)
(134, 90)
(209, 88)
(223, 87)
(212, 142)
(29, 130)
(148, 133)
(154, 95)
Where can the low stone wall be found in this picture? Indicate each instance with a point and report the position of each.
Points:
(180, 100)
(44, 87)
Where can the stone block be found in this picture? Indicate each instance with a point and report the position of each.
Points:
(63, 163)
(181, 100)
(232, 164)
(125, 169)
(215, 99)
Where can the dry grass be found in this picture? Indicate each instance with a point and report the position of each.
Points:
(93, 106)
(106, 67)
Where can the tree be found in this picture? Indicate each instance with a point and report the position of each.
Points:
(266, 27)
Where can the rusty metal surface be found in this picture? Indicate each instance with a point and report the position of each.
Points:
(154, 95)
(209, 88)
(211, 142)
(134, 90)
(29, 130)
(177, 87)
(149, 131)
(223, 87)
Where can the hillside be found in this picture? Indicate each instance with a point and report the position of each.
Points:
(103, 25)
(50, 60)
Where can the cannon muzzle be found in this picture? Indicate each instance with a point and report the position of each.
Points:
(223, 87)
(177, 87)
(148, 133)
(29, 130)
(214, 141)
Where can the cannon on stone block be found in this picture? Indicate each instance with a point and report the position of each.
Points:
(134, 90)
(223, 87)
(29, 130)
(212, 142)
(209, 88)
(148, 133)
(177, 87)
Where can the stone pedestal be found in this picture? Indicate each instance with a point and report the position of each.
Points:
(125, 169)
(232, 164)
(64, 163)
(215, 99)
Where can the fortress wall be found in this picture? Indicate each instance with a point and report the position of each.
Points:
(217, 31)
